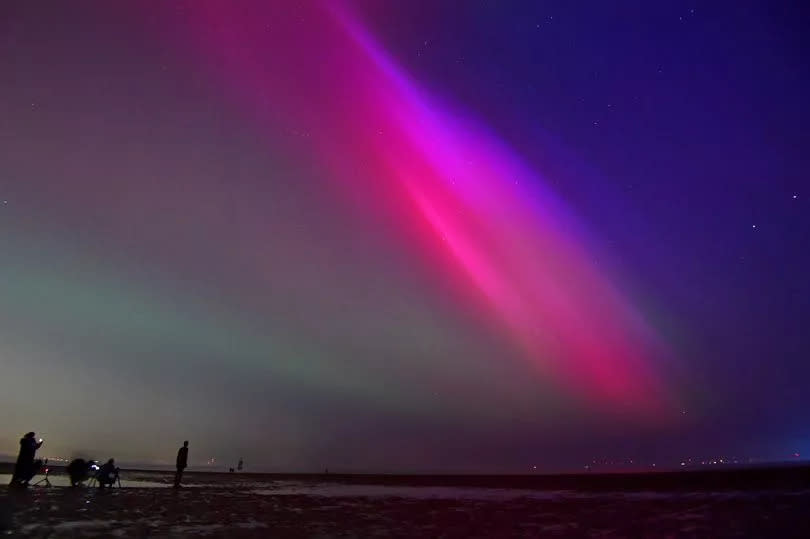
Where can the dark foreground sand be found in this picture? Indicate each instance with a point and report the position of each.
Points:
(323, 508)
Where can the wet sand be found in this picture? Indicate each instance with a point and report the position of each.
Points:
(221, 505)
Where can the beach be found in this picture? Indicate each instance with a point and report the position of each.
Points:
(232, 505)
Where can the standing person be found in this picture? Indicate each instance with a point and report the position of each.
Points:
(25, 460)
(182, 462)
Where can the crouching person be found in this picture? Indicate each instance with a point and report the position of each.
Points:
(80, 470)
(107, 475)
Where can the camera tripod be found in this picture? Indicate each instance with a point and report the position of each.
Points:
(45, 480)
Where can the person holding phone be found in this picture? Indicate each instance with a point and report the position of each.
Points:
(23, 469)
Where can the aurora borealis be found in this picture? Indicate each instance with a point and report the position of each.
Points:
(315, 234)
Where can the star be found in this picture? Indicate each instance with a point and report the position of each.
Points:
(795, 197)
(753, 226)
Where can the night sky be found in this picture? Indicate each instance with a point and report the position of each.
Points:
(405, 236)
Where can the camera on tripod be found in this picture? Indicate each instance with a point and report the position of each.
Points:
(80, 470)
(40, 465)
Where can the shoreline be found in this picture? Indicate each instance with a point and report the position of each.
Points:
(785, 477)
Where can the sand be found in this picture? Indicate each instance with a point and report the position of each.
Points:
(228, 506)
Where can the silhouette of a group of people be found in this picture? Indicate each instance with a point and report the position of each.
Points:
(79, 470)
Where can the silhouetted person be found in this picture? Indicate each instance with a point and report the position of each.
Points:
(79, 471)
(107, 475)
(240, 465)
(182, 462)
(25, 468)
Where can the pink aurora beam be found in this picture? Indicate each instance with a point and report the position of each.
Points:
(470, 202)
